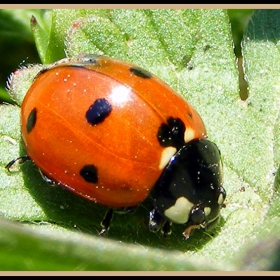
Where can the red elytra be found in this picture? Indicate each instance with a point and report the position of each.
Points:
(116, 158)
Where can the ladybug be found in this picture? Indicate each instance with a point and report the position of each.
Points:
(115, 134)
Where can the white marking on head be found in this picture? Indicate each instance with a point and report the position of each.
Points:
(180, 211)
(188, 135)
(166, 155)
(220, 199)
(207, 211)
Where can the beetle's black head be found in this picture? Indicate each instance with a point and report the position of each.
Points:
(190, 189)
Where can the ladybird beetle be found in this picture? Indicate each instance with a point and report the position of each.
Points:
(115, 134)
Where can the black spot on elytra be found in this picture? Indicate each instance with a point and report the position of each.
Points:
(98, 111)
(31, 120)
(89, 173)
(171, 133)
(139, 72)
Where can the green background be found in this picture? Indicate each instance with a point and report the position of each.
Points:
(225, 63)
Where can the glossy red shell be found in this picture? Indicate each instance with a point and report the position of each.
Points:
(124, 147)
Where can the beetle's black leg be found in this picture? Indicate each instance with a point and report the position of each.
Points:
(19, 160)
(105, 224)
(47, 179)
(156, 221)
(166, 228)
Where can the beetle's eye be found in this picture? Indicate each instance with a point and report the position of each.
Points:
(197, 215)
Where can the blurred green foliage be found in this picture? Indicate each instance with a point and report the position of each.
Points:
(17, 46)
(238, 19)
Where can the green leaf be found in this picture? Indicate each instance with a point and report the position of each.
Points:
(260, 48)
(60, 250)
(41, 27)
(192, 51)
(16, 43)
